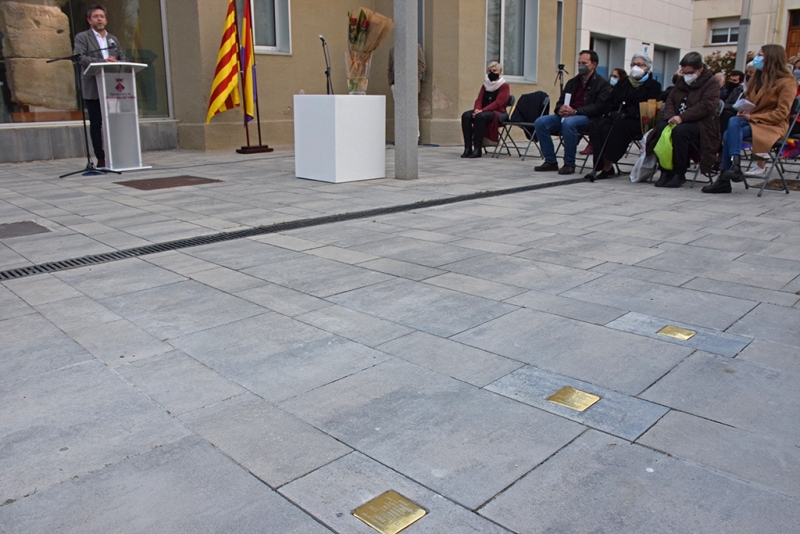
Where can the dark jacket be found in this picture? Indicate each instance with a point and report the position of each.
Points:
(86, 43)
(702, 107)
(734, 95)
(629, 97)
(597, 93)
(498, 104)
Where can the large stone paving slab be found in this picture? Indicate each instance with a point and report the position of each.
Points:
(775, 355)
(445, 356)
(11, 305)
(186, 486)
(277, 357)
(620, 415)
(460, 441)
(357, 326)
(756, 457)
(332, 492)
(424, 253)
(180, 309)
(692, 307)
(117, 278)
(316, 276)
(273, 445)
(616, 360)
(73, 421)
(431, 309)
(30, 345)
(522, 272)
(603, 484)
(733, 392)
(241, 253)
(772, 323)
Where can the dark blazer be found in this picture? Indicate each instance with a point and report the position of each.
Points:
(86, 43)
(594, 101)
(625, 93)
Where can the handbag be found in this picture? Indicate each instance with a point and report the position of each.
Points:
(663, 149)
(646, 164)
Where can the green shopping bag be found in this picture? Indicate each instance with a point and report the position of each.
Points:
(663, 149)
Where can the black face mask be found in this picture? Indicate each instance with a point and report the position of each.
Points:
(675, 79)
(493, 76)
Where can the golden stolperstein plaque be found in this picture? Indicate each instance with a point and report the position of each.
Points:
(573, 398)
(389, 512)
(678, 333)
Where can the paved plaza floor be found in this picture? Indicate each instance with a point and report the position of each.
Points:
(275, 383)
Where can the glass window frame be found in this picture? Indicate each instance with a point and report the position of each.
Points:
(283, 30)
(530, 56)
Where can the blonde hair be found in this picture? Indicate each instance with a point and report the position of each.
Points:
(495, 64)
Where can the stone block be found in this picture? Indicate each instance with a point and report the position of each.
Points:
(35, 82)
(8, 146)
(33, 144)
(67, 143)
(23, 16)
(38, 42)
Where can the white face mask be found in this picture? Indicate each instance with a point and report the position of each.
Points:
(637, 73)
(689, 78)
(613, 81)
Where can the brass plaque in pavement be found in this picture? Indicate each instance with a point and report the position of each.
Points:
(678, 333)
(573, 398)
(389, 512)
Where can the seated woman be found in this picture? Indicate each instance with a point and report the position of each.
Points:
(621, 123)
(772, 89)
(617, 75)
(693, 109)
(482, 121)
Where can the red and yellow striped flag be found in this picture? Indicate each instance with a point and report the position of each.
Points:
(248, 65)
(224, 90)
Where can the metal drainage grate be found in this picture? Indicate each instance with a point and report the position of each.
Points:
(94, 259)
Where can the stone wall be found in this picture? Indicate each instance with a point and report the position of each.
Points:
(31, 35)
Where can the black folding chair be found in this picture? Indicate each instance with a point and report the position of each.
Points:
(583, 136)
(720, 109)
(530, 107)
(775, 152)
(503, 116)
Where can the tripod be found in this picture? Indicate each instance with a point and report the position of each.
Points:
(90, 169)
(560, 77)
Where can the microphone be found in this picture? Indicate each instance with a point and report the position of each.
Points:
(321, 38)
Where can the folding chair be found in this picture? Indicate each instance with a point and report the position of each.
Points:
(530, 107)
(503, 116)
(584, 136)
(777, 148)
(720, 108)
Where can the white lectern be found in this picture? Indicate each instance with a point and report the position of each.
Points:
(340, 138)
(116, 85)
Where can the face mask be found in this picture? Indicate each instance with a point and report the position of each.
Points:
(613, 81)
(637, 73)
(645, 77)
(493, 76)
(797, 74)
(583, 70)
(758, 62)
(689, 78)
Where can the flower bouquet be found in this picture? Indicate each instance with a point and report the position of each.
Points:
(649, 113)
(366, 31)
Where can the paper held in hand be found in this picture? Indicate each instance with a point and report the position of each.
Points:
(567, 100)
(744, 106)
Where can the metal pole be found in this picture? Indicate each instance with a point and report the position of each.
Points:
(405, 90)
(744, 34)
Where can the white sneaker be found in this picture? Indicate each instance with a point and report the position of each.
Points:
(755, 171)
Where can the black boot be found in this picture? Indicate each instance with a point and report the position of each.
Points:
(664, 178)
(475, 153)
(734, 174)
(722, 185)
(467, 151)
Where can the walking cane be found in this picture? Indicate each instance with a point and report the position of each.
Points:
(600, 155)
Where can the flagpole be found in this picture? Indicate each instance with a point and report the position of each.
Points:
(241, 70)
(260, 147)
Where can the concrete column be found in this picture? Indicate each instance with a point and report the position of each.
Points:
(405, 90)
(744, 36)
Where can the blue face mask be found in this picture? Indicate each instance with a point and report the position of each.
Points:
(645, 78)
(613, 81)
(758, 62)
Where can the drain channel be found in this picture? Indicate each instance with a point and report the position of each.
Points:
(106, 257)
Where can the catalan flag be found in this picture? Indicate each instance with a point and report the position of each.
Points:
(248, 65)
(224, 90)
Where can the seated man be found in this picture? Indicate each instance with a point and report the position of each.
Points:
(589, 92)
(693, 109)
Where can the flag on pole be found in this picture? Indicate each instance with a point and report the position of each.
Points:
(248, 65)
(224, 89)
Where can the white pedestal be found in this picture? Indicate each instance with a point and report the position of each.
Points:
(340, 138)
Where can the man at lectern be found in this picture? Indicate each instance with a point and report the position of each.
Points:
(96, 45)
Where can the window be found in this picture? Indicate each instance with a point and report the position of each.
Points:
(603, 49)
(34, 91)
(723, 31)
(271, 30)
(512, 28)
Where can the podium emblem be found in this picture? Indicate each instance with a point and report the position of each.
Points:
(119, 87)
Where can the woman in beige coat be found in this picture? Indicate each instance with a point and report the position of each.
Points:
(772, 89)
